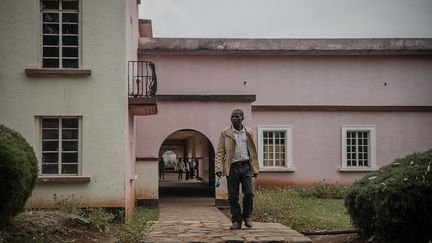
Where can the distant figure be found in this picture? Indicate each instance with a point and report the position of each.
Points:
(192, 168)
(161, 169)
(187, 168)
(180, 167)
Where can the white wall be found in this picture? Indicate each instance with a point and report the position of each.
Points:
(99, 99)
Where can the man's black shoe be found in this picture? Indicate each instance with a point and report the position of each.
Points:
(235, 226)
(248, 222)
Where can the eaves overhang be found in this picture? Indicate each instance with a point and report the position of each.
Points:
(214, 46)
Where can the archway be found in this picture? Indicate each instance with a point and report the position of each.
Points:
(196, 153)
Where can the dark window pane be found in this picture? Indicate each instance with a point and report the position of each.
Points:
(50, 123)
(50, 63)
(51, 40)
(49, 168)
(70, 63)
(69, 169)
(69, 157)
(50, 5)
(70, 134)
(70, 51)
(70, 123)
(70, 5)
(70, 29)
(50, 146)
(365, 163)
(49, 157)
(349, 163)
(70, 18)
(50, 28)
(70, 145)
(70, 40)
(50, 17)
(49, 134)
(50, 51)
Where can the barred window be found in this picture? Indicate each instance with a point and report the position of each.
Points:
(60, 33)
(275, 148)
(358, 147)
(60, 145)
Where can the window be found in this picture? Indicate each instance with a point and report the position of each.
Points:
(358, 151)
(60, 140)
(275, 148)
(60, 33)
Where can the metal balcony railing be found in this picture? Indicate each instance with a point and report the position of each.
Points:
(142, 81)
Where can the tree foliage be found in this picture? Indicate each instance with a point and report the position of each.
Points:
(396, 201)
(18, 173)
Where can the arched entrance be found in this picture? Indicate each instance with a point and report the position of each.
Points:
(195, 152)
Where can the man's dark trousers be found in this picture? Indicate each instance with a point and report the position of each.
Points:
(240, 174)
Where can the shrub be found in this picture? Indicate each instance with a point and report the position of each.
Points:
(135, 229)
(18, 173)
(396, 201)
(99, 218)
(68, 204)
(324, 190)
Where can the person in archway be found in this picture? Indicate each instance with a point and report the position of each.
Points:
(236, 158)
(161, 169)
(180, 168)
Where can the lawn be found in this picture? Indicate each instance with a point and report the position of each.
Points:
(301, 211)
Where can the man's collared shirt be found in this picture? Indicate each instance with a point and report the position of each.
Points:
(241, 150)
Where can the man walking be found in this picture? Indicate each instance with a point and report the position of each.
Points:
(236, 158)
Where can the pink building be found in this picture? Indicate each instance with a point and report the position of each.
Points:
(321, 109)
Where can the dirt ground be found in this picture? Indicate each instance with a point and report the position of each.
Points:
(51, 226)
(342, 238)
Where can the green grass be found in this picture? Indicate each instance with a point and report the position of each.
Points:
(289, 207)
(148, 214)
(134, 230)
(314, 214)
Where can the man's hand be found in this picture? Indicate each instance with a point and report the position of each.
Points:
(255, 175)
(219, 174)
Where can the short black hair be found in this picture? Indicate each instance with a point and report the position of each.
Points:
(239, 111)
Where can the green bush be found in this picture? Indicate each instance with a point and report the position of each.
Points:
(396, 201)
(18, 173)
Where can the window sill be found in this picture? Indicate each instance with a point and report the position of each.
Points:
(277, 169)
(55, 72)
(63, 179)
(366, 169)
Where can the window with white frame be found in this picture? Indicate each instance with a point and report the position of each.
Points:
(275, 147)
(60, 33)
(60, 140)
(358, 151)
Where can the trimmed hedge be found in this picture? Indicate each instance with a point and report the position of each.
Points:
(396, 201)
(18, 173)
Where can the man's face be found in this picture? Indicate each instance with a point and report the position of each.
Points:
(236, 118)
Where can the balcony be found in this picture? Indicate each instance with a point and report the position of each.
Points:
(142, 86)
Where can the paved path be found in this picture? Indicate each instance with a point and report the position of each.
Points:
(195, 219)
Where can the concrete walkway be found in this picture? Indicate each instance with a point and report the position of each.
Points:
(196, 219)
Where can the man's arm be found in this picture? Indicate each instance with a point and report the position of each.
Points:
(220, 155)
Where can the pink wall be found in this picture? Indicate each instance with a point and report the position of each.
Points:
(297, 80)
(209, 118)
(317, 145)
(300, 80)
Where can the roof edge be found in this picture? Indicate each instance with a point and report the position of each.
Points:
(215, 46)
